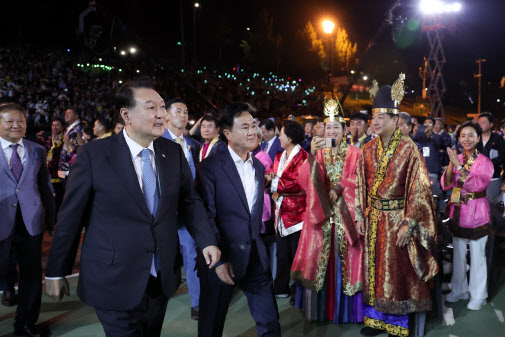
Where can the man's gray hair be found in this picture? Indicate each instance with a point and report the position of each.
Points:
(406, 117)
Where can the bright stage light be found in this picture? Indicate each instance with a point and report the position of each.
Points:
(328, 26)
(431, 7)
(133, 50)
(123, 52)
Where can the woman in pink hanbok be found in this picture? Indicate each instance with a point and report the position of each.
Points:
(329, 256)
(468, 175)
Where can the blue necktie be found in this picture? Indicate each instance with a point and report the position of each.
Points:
(150, 190)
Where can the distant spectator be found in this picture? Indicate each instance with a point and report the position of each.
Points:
(272, 144)
(69, 150)
(102, 128)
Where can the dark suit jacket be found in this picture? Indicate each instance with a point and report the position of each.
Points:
(194, 149)
(103, 194)
(220, 145)
(494, 150)
(274, 149)
(193, 143)
(220, 187)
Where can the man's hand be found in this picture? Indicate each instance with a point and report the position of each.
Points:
(225, 273)
(403, 238)
(212, 254)
(40, 134)
(57, 288)
(361, 227)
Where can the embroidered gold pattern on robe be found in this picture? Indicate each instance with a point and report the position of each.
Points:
(393, 173)
(389, 328)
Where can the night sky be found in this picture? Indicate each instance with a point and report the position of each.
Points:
(156, 25)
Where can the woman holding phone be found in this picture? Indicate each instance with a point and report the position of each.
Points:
(328, 259)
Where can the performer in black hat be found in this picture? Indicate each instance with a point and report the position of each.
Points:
(396, 214)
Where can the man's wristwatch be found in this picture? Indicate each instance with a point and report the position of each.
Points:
(459, 167)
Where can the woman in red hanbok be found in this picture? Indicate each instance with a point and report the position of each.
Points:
(289, 198)
(328, 259)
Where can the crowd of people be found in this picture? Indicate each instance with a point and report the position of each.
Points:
(59, 79)
(342, 216)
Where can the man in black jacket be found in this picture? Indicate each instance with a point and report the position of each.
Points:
(126, 190)
(491, 145)
(231, 184)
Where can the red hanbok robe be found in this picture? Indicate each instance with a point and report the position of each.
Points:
(312, 257)
(292, 208)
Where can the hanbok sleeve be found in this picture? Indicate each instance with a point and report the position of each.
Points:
(420, 219)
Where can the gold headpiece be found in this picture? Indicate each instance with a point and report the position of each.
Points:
(374, 89)
(331, 108)
(398, 89)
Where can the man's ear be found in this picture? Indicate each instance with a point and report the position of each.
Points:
(125, 114)
(226, 133)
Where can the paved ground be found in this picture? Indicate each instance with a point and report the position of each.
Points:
(71, 318)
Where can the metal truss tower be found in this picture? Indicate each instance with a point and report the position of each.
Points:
(434, 26)
(435, 63)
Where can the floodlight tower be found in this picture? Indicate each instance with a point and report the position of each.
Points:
(438, 16)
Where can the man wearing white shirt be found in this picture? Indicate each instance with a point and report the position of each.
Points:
(231, 184)
(127, 190)
(26, 198)
(177, 120)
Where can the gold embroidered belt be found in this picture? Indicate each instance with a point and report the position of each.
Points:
(463, 232)
(471, 196)
(386, 204)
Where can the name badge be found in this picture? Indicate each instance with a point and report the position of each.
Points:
(456, 195)
(426, 151)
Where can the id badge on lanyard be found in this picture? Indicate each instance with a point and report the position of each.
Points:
(456, 195)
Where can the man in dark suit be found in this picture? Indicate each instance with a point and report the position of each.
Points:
(272, 144)
(231, 184)
(25, 195)
(127, 190)
(177, 120)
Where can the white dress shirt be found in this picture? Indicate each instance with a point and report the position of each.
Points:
(136, 153)
(247, 175)
(187, 154)
(270, 143)
(7, 149)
